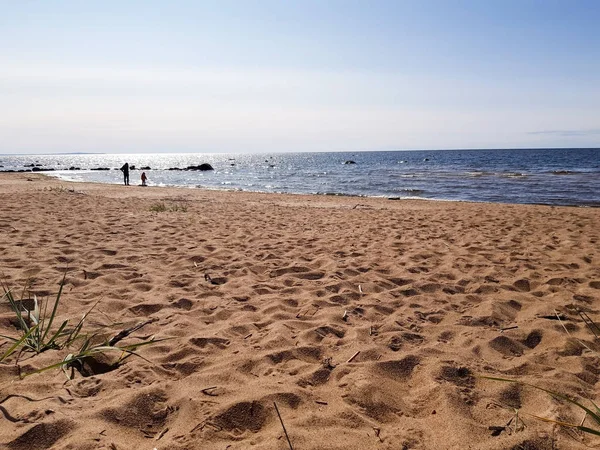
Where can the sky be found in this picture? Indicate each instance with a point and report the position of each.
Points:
(145, 76)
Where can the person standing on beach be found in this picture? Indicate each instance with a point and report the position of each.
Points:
(144, 178)
(125, 170)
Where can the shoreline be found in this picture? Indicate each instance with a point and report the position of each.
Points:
(334, 195)
(367, 321)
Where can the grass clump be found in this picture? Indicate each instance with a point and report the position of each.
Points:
(162, 207)
(179, 208)
(158, 207)
(38, 334)
(59, 189)
(35, 326)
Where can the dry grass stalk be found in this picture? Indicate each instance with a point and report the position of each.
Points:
(353, 356)
(283, 426)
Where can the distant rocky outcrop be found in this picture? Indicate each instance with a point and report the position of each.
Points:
(350, 162)
(204, 166)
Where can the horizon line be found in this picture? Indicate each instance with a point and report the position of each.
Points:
(301, 151)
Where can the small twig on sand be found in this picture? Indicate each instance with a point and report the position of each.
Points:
(283, 426)
(207, 391)
(353, 356)
(162, 433)
(126, 332)
(508, 328)
(378, 433)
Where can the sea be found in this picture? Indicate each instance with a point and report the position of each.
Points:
(565, 177)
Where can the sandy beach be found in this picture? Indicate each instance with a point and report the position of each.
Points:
(367, 322)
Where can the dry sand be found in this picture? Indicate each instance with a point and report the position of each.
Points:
(367, 321)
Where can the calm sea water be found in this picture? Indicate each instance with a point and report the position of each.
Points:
(543, 176)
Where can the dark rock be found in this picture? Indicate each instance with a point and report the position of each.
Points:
(132, 167)
(202, 167)
(350, 162)
(74, 168)
(145, 168)
(100, 168)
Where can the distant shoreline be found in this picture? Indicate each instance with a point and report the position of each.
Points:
(299, 151)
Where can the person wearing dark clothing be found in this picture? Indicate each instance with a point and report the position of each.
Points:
(125, 170)
(144, 178)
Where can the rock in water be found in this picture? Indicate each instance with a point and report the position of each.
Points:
(204, 166)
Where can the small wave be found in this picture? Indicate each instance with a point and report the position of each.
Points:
(513, 175)
(411, 192)
(339, 194)
(563, 172)
(479, 173)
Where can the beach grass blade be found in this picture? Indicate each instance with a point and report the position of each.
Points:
(55, 308)
(17, 344)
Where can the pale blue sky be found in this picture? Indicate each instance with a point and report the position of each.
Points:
(236, 76)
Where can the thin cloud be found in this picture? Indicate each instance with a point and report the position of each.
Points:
(591, 132)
